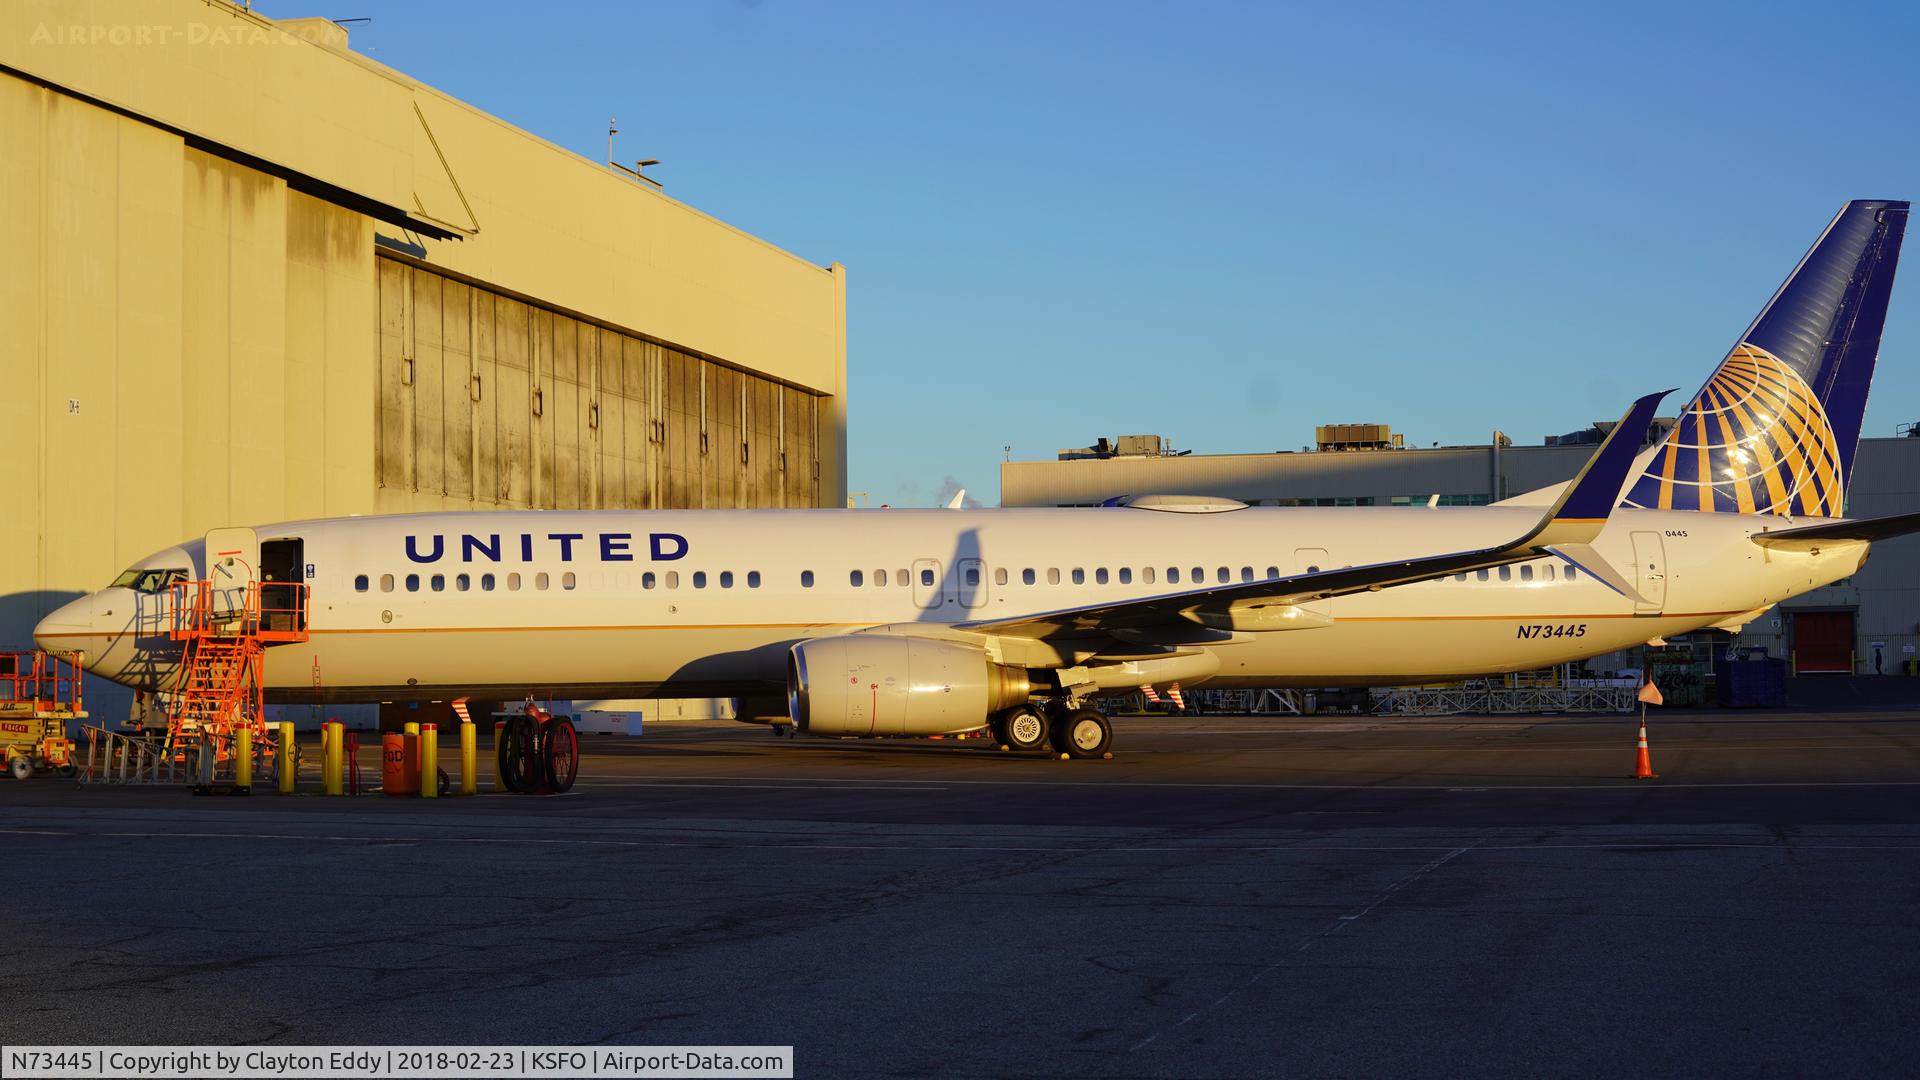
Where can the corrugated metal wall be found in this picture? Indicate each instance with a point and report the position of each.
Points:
(485, 401)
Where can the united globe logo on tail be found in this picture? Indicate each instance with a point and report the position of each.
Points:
(1775, 429)
(1754, 441)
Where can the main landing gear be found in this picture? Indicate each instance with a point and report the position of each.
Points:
(1072, 732)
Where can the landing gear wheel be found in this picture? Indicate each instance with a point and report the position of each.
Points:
(20, 767)
(1082, 733)
(562, 754)
(1024, 729)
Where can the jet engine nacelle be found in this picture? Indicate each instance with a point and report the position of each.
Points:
(880, 684)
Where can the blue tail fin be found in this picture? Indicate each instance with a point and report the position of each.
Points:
(1775, 428)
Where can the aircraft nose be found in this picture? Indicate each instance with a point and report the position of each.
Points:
(57, 632)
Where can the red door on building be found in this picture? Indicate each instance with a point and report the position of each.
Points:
(1823, 641)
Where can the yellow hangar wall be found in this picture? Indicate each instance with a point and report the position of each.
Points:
(250, 276)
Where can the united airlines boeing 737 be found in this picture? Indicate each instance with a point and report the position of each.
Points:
(898, 622)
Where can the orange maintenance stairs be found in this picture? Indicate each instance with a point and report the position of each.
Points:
(225, 630)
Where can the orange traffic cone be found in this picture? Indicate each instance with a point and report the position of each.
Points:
(1643, 764)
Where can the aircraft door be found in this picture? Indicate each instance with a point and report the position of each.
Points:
(970, 583)
(926, 583)
(232, 565)
(1650, 572)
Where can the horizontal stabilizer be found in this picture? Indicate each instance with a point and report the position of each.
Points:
(1881, 528)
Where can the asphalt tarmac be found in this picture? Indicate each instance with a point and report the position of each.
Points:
(1226, 897)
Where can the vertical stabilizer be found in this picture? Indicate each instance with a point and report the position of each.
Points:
(1775, 429)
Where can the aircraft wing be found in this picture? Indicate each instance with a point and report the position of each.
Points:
(1575, 518)
(1809, 536)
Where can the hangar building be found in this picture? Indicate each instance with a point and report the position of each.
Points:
(254, 276)
(1867, 624)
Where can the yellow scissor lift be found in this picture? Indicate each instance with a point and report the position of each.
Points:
(39, 696)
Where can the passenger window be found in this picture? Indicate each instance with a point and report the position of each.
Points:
(753, 579)
(1526, 573)
(486, 582)
(1273, 573)
(673, 579)
(1027, 576)
(1572, 572)
(567, 580)
(726, 579)
(1480, 575)
(413, 582)
(1126, 575)
(1547, 572)
(361, 583)
(1224, 575)
(999, 575)
(973, 576)
(540, 580)
(1100, 576)
(1199, 575)
(926, 577)
(880, 578)
(438, 582)
(1146, 574)
(647, 580)
(462, 582)
(513, 582)
(1246, 573)
(1053, 575)
(1079, 576)
(806, 579)
(386, 582)
(1506, 573)
(1459, 577)
(699, 579)
(854, 579)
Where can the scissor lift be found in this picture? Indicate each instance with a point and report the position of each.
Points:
(40, 694)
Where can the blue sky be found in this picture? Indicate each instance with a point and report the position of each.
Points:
(1226, 223)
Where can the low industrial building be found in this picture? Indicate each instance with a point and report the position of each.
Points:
(1868, 624)
(255, 276)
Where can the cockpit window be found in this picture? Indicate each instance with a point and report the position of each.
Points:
(148, 580)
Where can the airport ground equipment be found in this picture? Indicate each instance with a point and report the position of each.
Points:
(537, 753)
(225, 632)
(40, 694)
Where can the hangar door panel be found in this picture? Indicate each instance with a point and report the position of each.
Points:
(482, 400)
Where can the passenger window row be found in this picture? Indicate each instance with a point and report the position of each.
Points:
(460, 582)
(1526, 572)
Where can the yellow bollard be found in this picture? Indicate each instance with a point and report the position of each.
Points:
(411, 727)
(429, 761)
(499, 732)
(243, 758)
(287, 764)
(469, 778)
(333, 739)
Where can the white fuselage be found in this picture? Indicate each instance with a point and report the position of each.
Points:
(706, 603)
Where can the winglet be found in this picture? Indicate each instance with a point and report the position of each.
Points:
(1584, 504)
